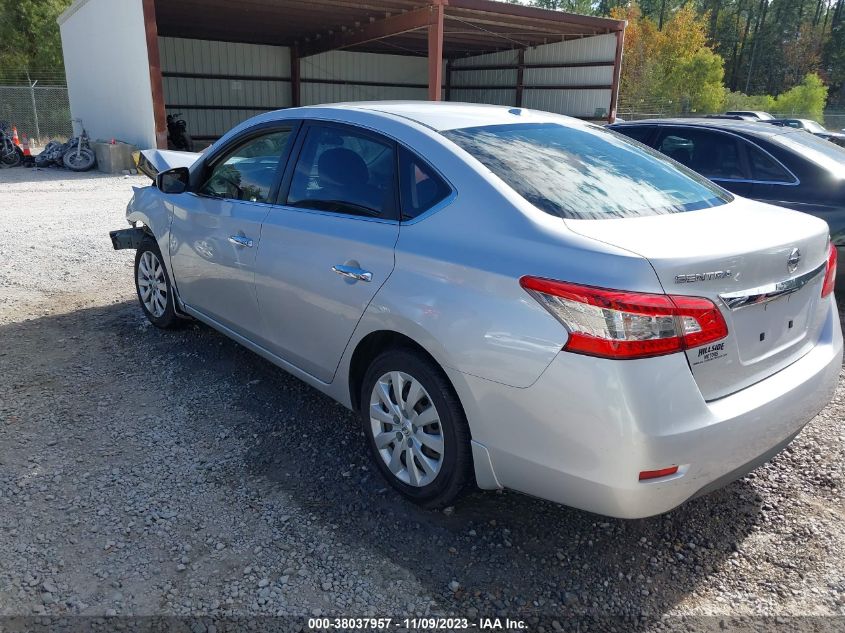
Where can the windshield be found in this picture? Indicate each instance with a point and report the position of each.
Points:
(586, 172)
(823, 153)
(813, 126)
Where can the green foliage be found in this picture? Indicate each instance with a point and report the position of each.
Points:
(807, 98)
(742, 101)
(29, 37)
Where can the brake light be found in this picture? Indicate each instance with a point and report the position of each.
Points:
(624, 325)
(830, 272)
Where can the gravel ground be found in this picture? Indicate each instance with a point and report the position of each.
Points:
(154, 473)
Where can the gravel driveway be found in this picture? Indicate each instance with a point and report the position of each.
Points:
(154, 473)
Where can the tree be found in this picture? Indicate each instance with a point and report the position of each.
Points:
(807, 99)
(29, 37)
(674, 66)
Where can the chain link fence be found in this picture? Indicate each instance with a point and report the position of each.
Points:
(42, 113)
(833, 119)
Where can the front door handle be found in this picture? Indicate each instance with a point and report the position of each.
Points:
(353, 272)
(241, 240)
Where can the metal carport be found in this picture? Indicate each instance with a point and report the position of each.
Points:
(219, 62)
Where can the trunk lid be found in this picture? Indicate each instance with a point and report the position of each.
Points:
(763, 266)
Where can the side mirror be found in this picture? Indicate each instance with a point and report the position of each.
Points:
(174, 180)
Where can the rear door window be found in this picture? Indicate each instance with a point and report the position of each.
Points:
(711, 154)
(345, 171)
(641, 133)
(764, 168)
(420, 188)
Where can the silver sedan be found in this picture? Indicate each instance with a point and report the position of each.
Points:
(510, 298)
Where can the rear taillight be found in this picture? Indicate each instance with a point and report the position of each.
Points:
(624, 325)
(830, 272)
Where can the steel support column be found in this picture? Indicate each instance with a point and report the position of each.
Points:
(520, 71)
(435, 51)
(295, 79)
(156, 83)
(617, 71)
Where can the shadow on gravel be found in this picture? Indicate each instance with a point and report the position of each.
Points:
(512, 555)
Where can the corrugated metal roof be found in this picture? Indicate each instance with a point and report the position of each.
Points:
(471, 26)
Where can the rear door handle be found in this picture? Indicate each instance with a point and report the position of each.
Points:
(352, 272)
(241, 240)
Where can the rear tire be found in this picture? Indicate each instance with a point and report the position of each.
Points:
(152, 285)
(416, 428)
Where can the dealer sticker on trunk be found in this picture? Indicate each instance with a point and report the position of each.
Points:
(710, 352)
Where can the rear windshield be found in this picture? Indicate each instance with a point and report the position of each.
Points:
(586, 172)
(827, 155)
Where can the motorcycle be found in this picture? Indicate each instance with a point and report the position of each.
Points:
(76, 154)
(10, 154)
(177, 133)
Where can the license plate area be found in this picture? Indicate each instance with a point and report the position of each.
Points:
(776, 327)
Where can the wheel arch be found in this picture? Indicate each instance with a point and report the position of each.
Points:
(379, 340)
(369, 347)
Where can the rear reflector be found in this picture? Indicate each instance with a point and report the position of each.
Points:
(625, 325)
(830, 272)
(656, 474)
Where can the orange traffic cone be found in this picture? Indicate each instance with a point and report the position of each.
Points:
(26, 146)
(15, 138)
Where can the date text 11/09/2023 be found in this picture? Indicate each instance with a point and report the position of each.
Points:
(416, 624)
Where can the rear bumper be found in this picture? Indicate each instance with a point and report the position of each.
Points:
(582, 433)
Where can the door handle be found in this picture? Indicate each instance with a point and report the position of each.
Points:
(351, 272)
(241, 240)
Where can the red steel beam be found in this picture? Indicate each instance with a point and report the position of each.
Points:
(435, 51)
(529, 13)
(520, 73)
(617, 72)
(156, 83)
(394, 25)
(295, 80)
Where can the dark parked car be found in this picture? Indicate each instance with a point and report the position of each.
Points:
(780, 165)
(814, 128)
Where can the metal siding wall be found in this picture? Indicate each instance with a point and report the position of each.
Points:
(368, 67)
(501, 57)
(223, 58)
(598, 48)
(495, 97)
(574, 102)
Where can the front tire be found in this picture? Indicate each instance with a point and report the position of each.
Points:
(83, 161)
(152, 285)
(416, 428)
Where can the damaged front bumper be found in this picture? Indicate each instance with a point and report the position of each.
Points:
(127, 238)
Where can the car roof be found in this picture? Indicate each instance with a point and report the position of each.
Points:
(449, 115)
(755, 128)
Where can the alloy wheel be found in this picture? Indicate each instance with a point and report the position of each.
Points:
(406, 429)
(152, 284)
